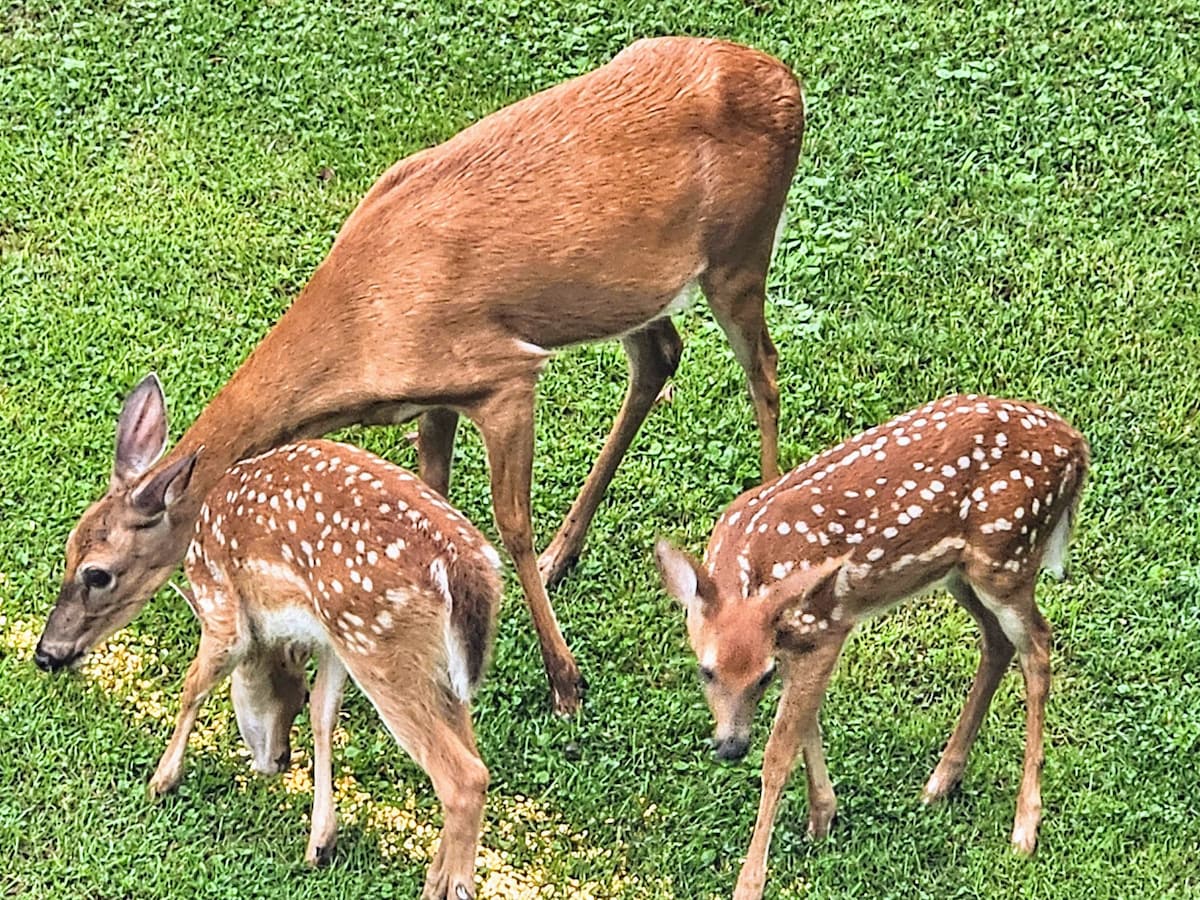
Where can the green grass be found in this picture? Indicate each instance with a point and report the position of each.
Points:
(998, 199)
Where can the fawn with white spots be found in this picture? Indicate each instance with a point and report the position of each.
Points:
(973, 493)
(324, 549)
(589, 211)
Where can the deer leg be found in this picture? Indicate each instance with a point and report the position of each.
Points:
(435, 730)
(995, 656)
(1035, 666)
(737, 299)
(435, 447)
(653, 354)
(796, 726)
(506, 422)
(214, 661)
(324, 703)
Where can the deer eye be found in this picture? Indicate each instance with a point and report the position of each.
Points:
(97, 578)
(707, 675)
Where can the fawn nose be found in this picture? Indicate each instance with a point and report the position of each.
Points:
(283, 760)
(49, 663)
(732, 748)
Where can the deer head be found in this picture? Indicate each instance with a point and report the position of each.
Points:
(736, 639)
(268, 692)
(122, 550)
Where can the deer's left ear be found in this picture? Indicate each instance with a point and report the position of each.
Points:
(160, 490)
(802, 590)
(683, 577)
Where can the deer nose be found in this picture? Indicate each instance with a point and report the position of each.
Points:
(732, 748)
(49, 663)
(283, 760)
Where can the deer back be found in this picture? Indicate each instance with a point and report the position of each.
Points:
(966, 480)
(324, 543)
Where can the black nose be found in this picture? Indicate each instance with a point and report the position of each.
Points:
(732, 748)
(48, 663)
(283, 760)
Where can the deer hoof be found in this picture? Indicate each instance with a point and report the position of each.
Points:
(553, 566)
(568, 697)
(160, 787)
(819, 823)
(319, 856)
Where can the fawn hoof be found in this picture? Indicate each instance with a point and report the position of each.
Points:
(1024, 840)
(321, 855)
(439, 887)
(939, 787)
(160, 786)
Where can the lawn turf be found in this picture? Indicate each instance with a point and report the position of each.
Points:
(996, 199)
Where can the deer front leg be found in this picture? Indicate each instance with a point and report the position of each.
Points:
(653, 356)
(212, 664)
(324, 703)
(796, 725)
(506, 422)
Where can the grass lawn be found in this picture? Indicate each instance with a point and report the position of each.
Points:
(996, 199)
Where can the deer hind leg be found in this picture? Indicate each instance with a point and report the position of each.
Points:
(1017, 613)
(434, 728)
(653, 354)
(213, 663)
(737, 297)
(995, 656)
(796, 727)
(506, 422)
(1035, 665)
(435, 447)
(325, 701)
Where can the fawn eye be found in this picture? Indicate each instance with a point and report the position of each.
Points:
(97, 578)
(707, 675)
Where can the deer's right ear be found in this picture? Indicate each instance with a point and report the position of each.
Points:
(141, 432)
(682, 576)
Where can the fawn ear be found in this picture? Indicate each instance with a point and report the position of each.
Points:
(160, 490)
(683, 577)
(141, 431)
(804, 591)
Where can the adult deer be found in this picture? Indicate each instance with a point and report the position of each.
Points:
(971, 492)
(591, 210)
(322, 548)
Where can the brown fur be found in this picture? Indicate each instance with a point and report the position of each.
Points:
(322, 548)
(974, 490)
(576, 214)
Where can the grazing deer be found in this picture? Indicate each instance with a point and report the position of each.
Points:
(321, 548)
(971, 492)
(589, 211)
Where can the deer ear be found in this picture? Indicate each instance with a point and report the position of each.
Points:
(160, 490)
(682, 576)
(805, 591)
(141, 431)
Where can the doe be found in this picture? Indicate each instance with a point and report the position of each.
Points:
(973, 493)
(322, 548)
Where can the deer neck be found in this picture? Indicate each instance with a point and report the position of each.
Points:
(300, 381)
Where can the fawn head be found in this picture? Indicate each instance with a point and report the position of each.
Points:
(123, 547)
(736, 639)
(268, 692)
